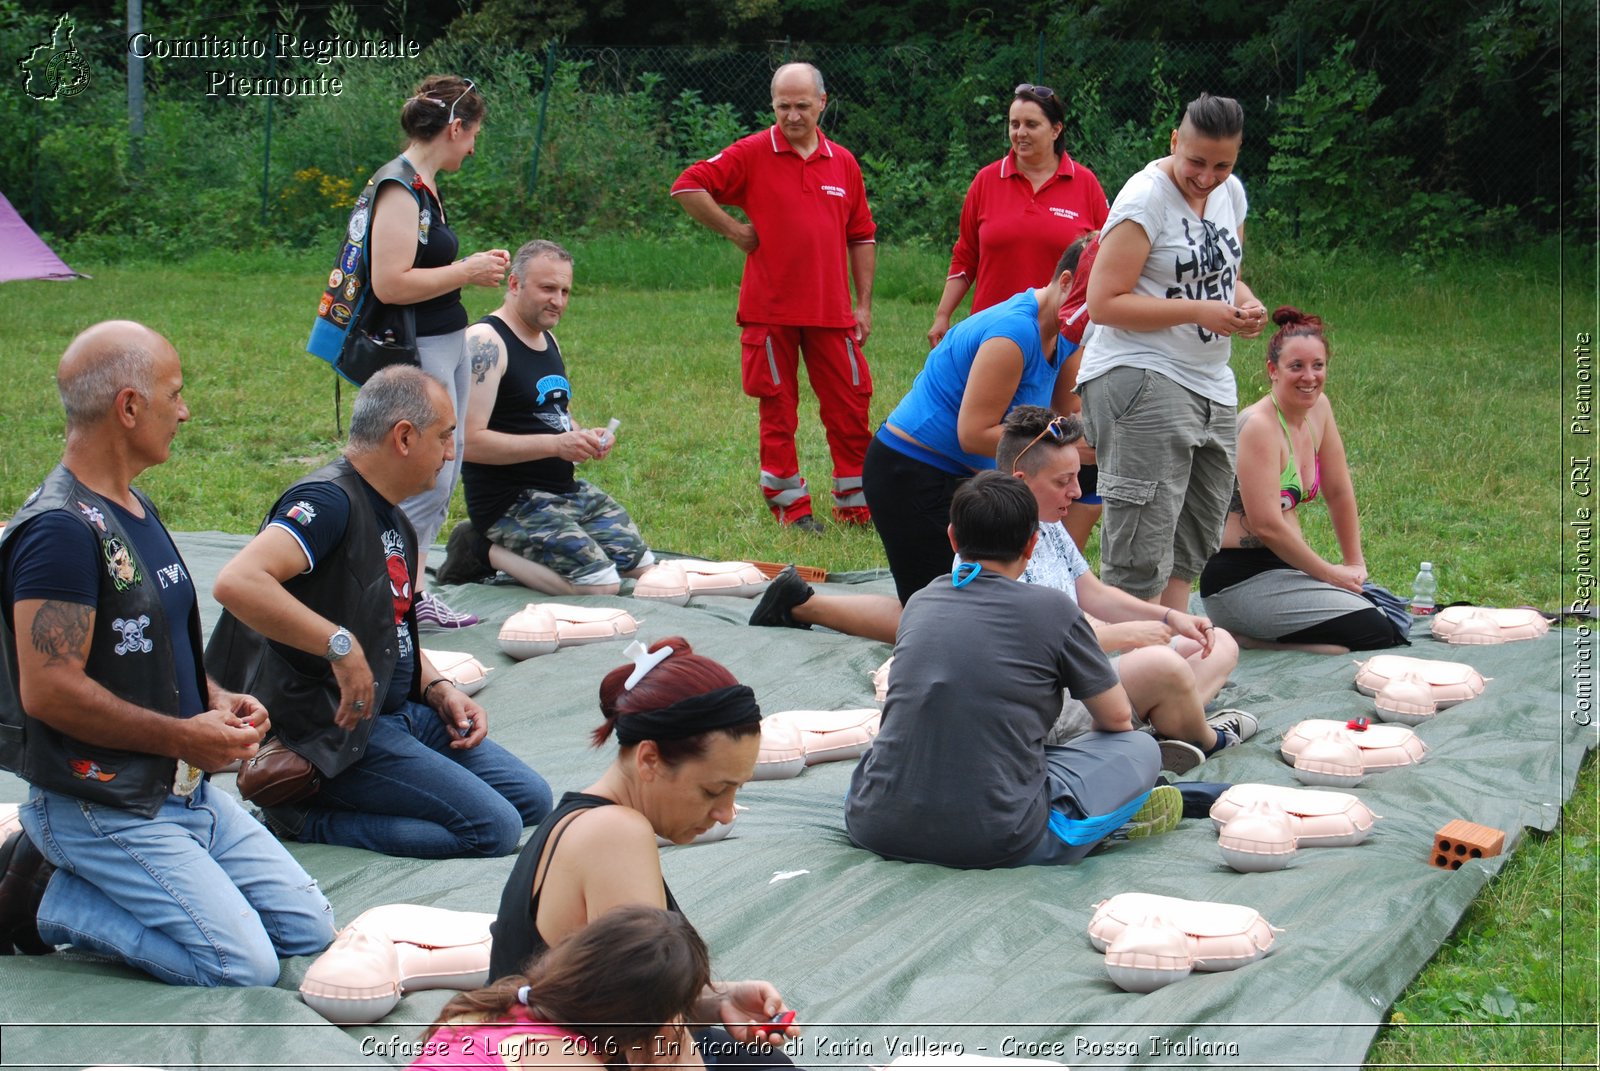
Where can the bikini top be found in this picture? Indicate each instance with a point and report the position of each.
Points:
(1290, 493)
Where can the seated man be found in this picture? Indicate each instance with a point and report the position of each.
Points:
(320, 622)
(960, 774)
(530, 516)
(106, 711)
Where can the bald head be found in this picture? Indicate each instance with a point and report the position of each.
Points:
(103, 361)
(799, 75)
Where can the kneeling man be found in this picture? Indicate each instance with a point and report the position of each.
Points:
(960, 774)
(106, 712)
(320, 622)
(531, 517)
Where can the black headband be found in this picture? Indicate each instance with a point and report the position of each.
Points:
(725, 708)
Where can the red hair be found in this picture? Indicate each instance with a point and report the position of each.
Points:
(1292, 323)
(682, 675)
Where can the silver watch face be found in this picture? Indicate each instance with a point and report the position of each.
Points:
(339, 645)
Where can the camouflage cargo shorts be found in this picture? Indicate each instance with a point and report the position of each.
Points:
(584, 536)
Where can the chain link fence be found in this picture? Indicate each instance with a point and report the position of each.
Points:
(585, 140)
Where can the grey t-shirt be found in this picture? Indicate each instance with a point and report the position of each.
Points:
(956, 775)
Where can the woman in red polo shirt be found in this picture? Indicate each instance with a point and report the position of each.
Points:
(1021, 212)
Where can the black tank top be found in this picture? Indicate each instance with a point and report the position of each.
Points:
(516, 933)
(532, 400)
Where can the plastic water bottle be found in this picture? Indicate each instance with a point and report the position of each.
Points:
(1423, 589)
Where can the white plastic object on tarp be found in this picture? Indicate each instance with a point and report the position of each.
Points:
(464, 671)
(1382, 746)
(395, 949)
(1221, 936)
(1479, 625)
(1320, 819)
(541, 627)
(1451, 682)
(676, 580)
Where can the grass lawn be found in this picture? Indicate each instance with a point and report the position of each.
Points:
(1449, 395)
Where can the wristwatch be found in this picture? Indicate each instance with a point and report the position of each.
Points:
(340, 644)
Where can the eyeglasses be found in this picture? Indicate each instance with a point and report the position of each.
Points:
(451, 117)
(1056, 429)
(1042, 92)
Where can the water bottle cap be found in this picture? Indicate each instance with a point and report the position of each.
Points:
(1427, 566)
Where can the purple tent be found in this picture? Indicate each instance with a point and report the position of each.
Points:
(22, 254)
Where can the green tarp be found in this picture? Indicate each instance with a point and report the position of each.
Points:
(882, 958)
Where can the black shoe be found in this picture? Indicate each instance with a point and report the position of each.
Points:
(24, 873)
(785, 592)
(808, 524)
(466, 557)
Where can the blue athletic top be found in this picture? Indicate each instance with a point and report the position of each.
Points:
(928, 413)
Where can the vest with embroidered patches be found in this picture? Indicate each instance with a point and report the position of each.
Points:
(350, 281)
(350, 586)
(50, 759)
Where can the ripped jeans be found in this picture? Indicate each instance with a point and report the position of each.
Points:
(201, 894)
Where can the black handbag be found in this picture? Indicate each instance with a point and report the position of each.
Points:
(381, 336)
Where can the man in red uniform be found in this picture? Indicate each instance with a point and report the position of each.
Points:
(810, 234)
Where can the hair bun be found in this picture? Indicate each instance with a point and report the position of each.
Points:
(1284, 315)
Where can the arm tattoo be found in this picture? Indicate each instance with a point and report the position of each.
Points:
(483, 355)
(61, 632)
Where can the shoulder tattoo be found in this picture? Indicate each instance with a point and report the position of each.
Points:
(61, 632)
(483, 355)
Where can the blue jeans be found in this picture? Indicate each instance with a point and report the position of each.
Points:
(201, 894)
(412, 795)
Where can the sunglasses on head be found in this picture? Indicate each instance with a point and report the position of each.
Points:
(1028, 88)
(1056, 429)
(452, 116)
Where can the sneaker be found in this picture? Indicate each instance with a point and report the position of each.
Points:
(24, 873)
(808, 524)
(1240, 724)
(466, 557)
(860, 516)
(1160, 814)
(434, 616)
(783, 594)
(1180, 756)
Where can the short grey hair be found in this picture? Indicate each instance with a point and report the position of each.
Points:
(816, 76)
(399, 392)
(531, 251)
(88, 395)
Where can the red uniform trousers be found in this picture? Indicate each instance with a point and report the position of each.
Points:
(843, 385)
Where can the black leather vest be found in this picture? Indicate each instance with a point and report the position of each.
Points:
(350, 587)
(135, 664)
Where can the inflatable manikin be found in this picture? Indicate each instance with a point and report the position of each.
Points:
(1480, 625)
(463, 670)
(679, 579)
(1411, 690)
(1151, 941)
(541, 627)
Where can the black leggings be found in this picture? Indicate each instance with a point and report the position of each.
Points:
(910, 503)
(1363, 630)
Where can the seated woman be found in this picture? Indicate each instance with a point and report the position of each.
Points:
(619, 986)
(1266, 584)
(688, 735)
(1171, 663)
